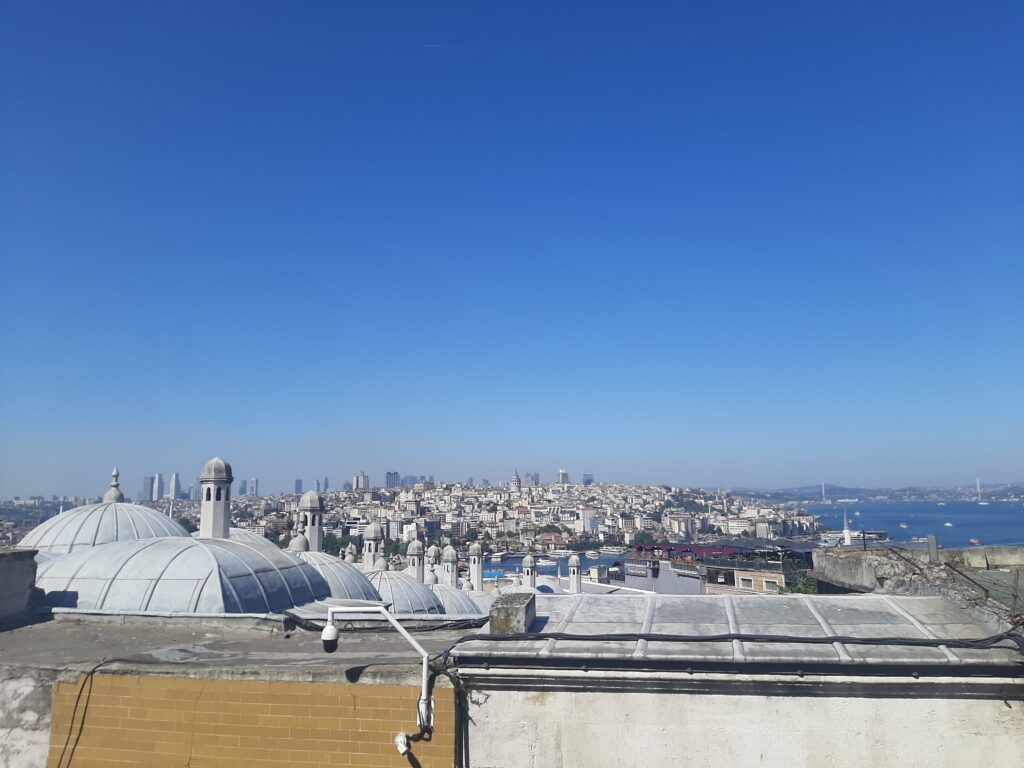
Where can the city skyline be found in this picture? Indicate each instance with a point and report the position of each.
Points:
(277, 484)
(740, 245)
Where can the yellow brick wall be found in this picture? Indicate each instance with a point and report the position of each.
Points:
(152, 721)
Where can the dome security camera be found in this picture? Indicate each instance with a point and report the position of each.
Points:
(329, 637)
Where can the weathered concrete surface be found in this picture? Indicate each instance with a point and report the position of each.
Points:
(25, 716)
(987, 595)
(551, 729)
(18, 594)
(513, 614)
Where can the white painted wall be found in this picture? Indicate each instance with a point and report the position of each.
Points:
(555, 729)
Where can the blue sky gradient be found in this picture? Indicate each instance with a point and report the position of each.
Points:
(706, 244)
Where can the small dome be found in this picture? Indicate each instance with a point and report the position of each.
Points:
(404, 593)
(373, 532)
(483, 600)
(415, 548)
(346, 581)
(455, 601)
(514, 589)
(449, 555)
(180, 575)
(475, 550)
(574, 561)
(217, 469)
(299, 543)
(96, 524)
(380, 564)
(311, 500)
(528, 561)
(433, 553)
(549, 585)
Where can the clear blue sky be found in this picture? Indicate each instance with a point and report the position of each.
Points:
(693, 243)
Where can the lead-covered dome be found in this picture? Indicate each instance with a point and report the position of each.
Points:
(454, 600)
(245, 536)
(404, 593)
(97, 524)
(311, 500)
(345, 580)
(217, 469)
(180, 575)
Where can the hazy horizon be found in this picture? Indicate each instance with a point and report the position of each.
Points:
(721, 245)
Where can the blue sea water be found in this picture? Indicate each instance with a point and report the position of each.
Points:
(1000, 522)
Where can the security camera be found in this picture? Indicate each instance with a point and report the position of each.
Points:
(329, 637)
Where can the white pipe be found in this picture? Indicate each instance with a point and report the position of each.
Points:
(425, 711)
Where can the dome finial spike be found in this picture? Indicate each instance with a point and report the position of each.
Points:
(113, 494)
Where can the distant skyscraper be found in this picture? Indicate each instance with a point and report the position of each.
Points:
(146, 494)
(536, 478)
(242, 487)
(361, 482)
(392, 480)
(327, 484)
(485, 483)
(175, 486)
(254, 486)
(588, 479)
(158, 487)
(298, 486)
(469, 482)
(563, 477)
(317, 481)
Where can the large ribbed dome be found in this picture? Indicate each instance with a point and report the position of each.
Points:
(96, 524)
(404, 593)
(454, 600)
(245, 536)
(345, 580)
(180, 575)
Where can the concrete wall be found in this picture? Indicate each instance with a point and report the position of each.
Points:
(148, 720)
(17, 584)
(551, 729)
(24, 716)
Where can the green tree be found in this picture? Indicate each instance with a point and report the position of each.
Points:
(643, 537)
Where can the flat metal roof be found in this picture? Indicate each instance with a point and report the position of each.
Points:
(777, 629)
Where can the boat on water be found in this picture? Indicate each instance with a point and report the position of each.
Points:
(975, 542)
(592, 554)
(948, 525)
(942, 503)
(982, 503)
(546, 561)
(903, 525)
(847, 501)
(613, 550)
(497, 557)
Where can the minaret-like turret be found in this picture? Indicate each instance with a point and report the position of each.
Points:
(414, 556)
(575, 575)
(530, 571)
(311, 516)
(215, 508)
(476, 566)
(373, 538)
(450, 566)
